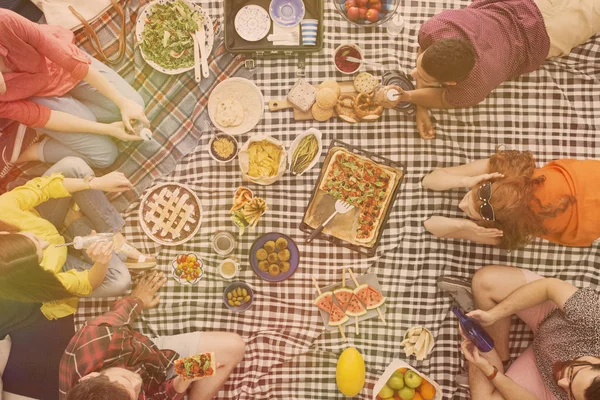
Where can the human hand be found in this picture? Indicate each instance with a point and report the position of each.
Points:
(403, 95)
(2, 84)
(424, 125)
(485, 318)
(147, 287)
(472, 181)
(112, 182)
(130, 110)
(101, 252)
(119, 131)
(474, 356)
(480, 231)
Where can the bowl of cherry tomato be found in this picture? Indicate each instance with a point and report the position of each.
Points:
(188, 269)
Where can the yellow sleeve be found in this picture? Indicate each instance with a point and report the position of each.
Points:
(76, 282)
(35, 192)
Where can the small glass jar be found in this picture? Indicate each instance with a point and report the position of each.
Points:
(224, 243)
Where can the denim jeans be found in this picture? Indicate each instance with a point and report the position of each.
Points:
(84, 101)
(99, 215)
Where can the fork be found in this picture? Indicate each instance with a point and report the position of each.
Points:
(341, 207)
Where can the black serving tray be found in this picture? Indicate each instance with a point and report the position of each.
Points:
(368, 251)
(263, 48)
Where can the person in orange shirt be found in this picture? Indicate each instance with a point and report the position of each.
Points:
(510, 201)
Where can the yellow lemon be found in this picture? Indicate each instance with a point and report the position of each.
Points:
(350, 372)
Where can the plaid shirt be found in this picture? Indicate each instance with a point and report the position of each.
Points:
(109, 341)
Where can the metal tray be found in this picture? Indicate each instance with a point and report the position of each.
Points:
(263, 48)
(369, 251)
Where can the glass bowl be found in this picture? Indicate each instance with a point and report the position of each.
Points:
(388, 9)
(234, 286)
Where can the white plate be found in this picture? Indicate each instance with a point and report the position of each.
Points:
(252, 23)
(396, 364)
(296, 142)
(141, 23)
(249, 96)
(370, 279)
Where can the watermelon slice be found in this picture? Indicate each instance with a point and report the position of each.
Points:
(343, 296)
(324, 301)
(355, 307)
(368, 295)
(337, 316)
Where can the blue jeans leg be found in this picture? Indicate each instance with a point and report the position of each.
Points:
(103, 108)
(93, 203)
(116, 282)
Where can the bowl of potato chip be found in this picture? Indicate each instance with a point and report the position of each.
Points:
(262, 160)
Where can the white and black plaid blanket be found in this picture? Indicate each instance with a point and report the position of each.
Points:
(554, 112)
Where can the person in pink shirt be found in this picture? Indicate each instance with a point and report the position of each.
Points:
(465, 54)
(48, 84)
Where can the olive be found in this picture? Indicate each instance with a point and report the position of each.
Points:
(246, 299)
(237, 303)
(244, 292)
(231, 303)
(229, 296)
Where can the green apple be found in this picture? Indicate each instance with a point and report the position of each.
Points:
(406, 393)
(396, 382)
(386, 392)
(412, 379)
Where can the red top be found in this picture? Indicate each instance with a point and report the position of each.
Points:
(44, 61)
(109, 341)
(509, 38)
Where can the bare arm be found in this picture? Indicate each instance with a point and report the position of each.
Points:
(481, 365)
(427, 97)
(460, 228)
(454, 177)
(62, 122)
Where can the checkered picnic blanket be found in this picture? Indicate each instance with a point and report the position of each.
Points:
(290, 354)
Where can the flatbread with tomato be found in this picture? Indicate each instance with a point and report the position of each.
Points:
(196, 366)
(366, 185)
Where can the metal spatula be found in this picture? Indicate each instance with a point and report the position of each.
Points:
(341, 207)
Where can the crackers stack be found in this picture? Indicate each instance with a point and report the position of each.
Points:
(326, 99)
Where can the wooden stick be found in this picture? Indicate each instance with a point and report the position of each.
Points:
(344, 277)
(353, 277)
(319, 291)
(316, 284)
(381, 316)
(356, 325)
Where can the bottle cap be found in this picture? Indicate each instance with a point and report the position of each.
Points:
(392, 94)
(146, 134)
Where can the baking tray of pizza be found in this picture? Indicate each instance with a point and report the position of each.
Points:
(364, 179)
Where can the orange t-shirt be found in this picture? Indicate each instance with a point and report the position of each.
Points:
(579, 225)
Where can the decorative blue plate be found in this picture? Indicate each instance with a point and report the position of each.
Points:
(294, 257)
(287, 13)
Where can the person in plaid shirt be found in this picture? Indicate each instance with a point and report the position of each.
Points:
(108, 359)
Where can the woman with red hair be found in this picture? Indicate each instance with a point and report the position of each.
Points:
(510, 201)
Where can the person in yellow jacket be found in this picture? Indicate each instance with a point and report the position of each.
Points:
(33, 269)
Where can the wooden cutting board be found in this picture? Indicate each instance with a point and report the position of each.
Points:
(347, 87)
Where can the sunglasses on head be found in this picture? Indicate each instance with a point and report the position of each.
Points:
(484, 193)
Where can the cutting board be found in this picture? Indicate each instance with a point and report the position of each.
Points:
(347, 87)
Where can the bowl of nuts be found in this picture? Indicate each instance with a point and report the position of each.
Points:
(238, 296)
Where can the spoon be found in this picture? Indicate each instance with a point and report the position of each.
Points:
(359, 61)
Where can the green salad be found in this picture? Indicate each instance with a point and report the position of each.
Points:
(167, 37)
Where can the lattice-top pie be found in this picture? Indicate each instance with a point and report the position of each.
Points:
(170, 214)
